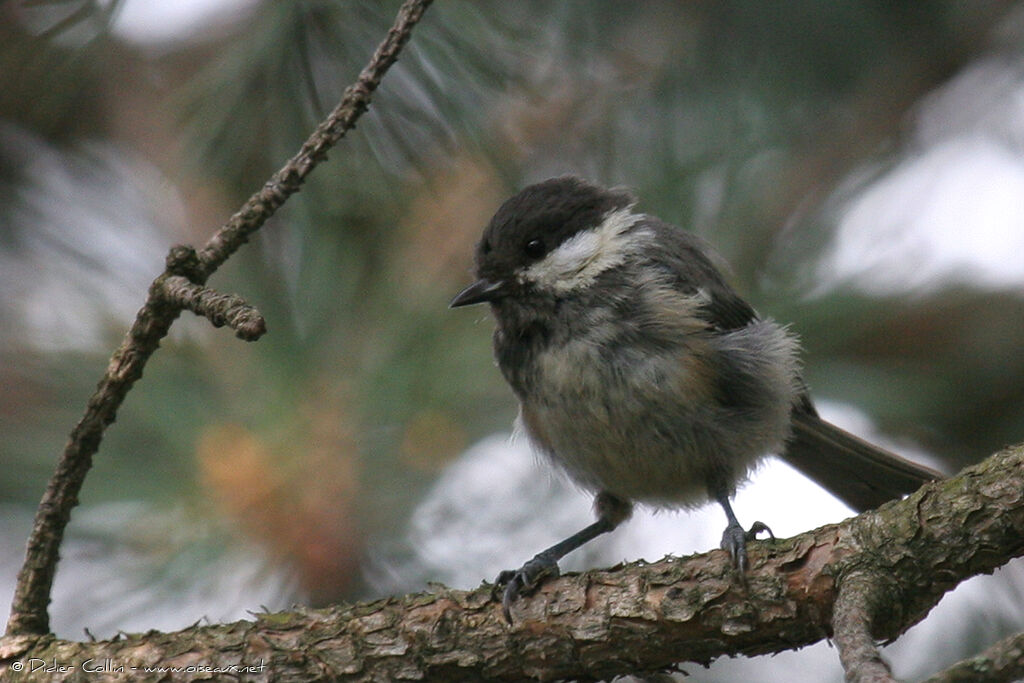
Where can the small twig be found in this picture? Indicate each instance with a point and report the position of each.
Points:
(852, 615)
(167, 296)
(219, 309)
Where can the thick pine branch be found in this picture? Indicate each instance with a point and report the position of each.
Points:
(633, 618)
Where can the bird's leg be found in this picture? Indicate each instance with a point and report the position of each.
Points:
(611, 512)
(734, 538)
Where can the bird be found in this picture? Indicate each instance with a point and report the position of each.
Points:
(643, 376)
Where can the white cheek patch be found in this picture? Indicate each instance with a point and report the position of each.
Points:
(576, 262)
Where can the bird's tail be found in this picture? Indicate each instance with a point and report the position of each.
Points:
(861, 475)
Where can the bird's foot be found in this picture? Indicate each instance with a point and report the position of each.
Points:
(523, 581)
(735, 539)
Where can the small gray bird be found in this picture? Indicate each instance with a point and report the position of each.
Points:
(643, 375)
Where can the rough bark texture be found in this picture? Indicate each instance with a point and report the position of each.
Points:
(857, 601)
(220, 309)
(632, 618)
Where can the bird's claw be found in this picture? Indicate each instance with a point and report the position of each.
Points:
(514, 583)
(735, 539)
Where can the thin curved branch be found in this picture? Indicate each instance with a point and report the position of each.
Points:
(289, 178)
(1001, 663)
(633, 618)
(852, 615)
(32, 595)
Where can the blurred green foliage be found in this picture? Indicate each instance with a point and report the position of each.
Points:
(740, 120)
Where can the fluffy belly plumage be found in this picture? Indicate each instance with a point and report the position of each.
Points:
(650, 428)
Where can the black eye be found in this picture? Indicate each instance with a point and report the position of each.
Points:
(534, 248)
(486, 247)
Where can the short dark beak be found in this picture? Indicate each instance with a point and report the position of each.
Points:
(478, 292)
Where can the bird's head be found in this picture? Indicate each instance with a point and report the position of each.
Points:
(550, 240)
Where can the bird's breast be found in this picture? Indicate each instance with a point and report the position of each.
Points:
(650, 421)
